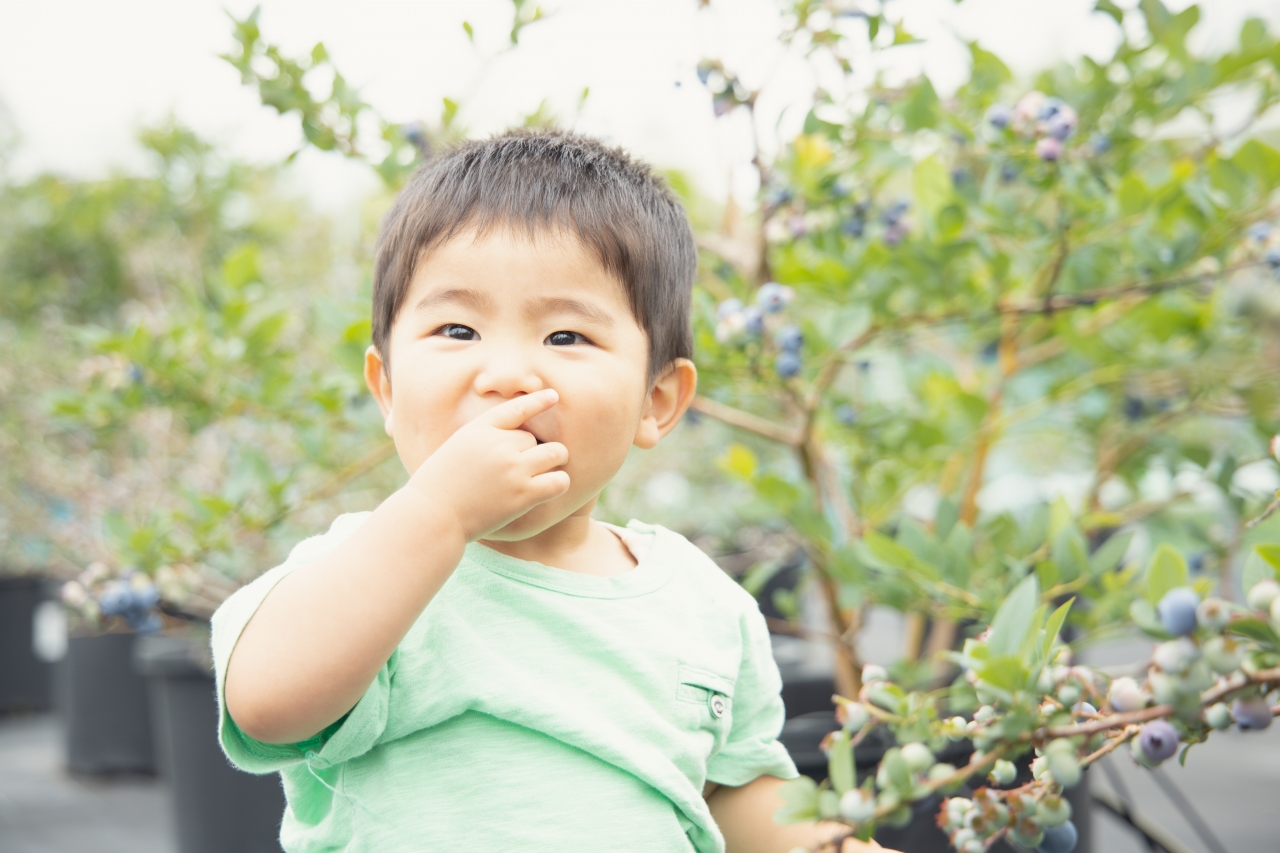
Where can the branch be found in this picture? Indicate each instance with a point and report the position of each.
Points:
(1266, 513)
(745, 420)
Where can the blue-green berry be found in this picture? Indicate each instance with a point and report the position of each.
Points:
(1177, 610)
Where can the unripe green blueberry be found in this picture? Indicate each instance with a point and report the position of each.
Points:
(899, 817)
(1053, 810)
(1217, 716)
(1064, 768)
(962, 836)
(985, 692)
(1040, 767)
(997, 815)
(1068, 694)
(1029, 840)
(977, 821)
(1176, 656)
(1212, 614)
(974, 846)
(1003, 773)
(871, 673)
(856, 806)
(1164, 688)
(1262, 594)
(854, 715)
(1223, 654)
(917, 756)
(984, 713)
(957, 808)
(941, 771)
(1125, 695)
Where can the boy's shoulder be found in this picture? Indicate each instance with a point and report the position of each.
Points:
(696, 567)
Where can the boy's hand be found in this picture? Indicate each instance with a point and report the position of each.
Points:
(490, 472)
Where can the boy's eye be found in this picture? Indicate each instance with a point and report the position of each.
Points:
(560, 339)
(457, 332)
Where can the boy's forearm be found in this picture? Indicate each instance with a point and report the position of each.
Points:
(320, 636)
(745, 817)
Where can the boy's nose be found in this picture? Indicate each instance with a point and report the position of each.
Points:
(508, 375)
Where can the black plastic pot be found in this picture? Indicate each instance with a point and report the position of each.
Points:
(103, 704)
(216, 808)
(26, 682)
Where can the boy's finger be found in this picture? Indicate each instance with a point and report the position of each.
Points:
(512, 413)
(549, 455)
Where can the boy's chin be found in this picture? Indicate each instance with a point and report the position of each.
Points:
(530, 524)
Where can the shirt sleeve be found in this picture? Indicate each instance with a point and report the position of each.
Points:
(353, 734)
(753, 748)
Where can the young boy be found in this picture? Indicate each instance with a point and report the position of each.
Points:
(477, 663)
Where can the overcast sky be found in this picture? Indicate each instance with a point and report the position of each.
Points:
(77, 77)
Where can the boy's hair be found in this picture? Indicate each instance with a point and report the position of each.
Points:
(538, 181)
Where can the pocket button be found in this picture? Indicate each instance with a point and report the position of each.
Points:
(717, 705)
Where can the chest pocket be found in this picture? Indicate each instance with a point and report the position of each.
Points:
(705, 701)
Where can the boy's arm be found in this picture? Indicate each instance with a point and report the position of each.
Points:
(745, 817)
(321, 635)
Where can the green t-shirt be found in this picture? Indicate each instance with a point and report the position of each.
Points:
(534, 709)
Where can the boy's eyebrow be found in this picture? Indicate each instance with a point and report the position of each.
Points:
(562, 305)
(481, 301)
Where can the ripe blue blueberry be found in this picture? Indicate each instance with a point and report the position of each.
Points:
(1051, 107)
(1133, 407)
(1260, 231)
(1099, 144)
(1158, 741)
(1177, 610)
(1008, 172)
(727, 307)
(892, 214)
(754, 320)
(1059, 839)
(788, 364)
(1251, 714)
(854, 226)
(846, 415)
(999, 116)
(1048, 149)
(773, 297)
(1060, 126)
(1272, 258)
(789, 338)
(895, 234)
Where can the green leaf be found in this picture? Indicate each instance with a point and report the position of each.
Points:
(1005, 672)
(888, 696)
(799, 800)
(1108, 557)
(840, 763)
(1132, 195)
(1013, 620)
(1143, 614)
(921, 107)
(1109, 8)
(1070, 553)
(1167, 570)
(1053, 627)
(1256, 630)
(931, 184)
(1257, 567)
(471, 33)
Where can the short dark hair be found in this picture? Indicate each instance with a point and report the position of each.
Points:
(533, 181)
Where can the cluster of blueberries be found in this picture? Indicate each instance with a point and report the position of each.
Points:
(1043, 825)
(736, 322)
(1050, 121)
(133, 602)
(1261, 233)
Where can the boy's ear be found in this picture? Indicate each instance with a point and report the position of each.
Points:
(375, 377)
(668, 399)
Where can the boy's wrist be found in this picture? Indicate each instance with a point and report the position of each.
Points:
(437, 521)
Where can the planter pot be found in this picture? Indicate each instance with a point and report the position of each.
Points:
(26, 681)
(216, 808)
(103, 704)
(801, 735)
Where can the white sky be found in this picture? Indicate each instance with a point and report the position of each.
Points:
(79, 76)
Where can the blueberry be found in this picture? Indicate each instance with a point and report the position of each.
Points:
(1272, 258)
(1053, 810)
(1003, 773)
(1251, 714)
(873, 672)
(1223, 654)
(704, 71)
(1060, 126)
(1059, 839)
(1212, 613)
(1262, 593)
(959, 176)
(999, 116)
(846, 416)
(754, 320)
(1217, 716)
(773, 297)
(789, 338)
(723, 103)
(1051, 108)
(1260, 231)
(727, 307)
(1099, 144)
(856, 806)
(1008, 172)
(1125, 695)
(1133, 407)
(1158, 741)
(787, 364)
(854, 226)
(1177, 610)
(116, 599)
(895, 234)
(892, 214)
(917, 756)
(1048, 149)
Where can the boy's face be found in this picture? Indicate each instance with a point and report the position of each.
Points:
(491, 318)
